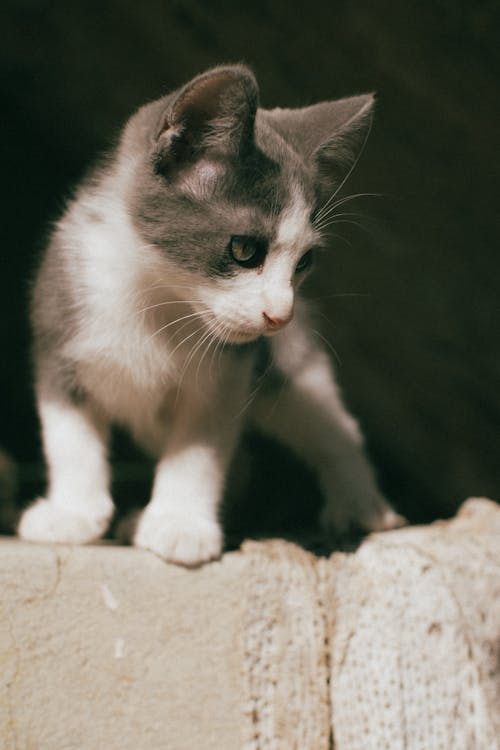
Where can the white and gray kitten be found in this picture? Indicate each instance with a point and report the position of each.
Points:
(173, 274)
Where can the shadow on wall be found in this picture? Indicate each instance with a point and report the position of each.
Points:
(409, 292)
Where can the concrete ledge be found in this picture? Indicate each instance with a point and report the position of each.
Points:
(108, 647)
(396, 645)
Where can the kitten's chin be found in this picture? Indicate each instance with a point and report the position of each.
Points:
(246, 336)
(243, 336)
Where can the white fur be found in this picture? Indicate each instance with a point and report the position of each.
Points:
(295, 229)
(201, 178)
(115, 280)
(78, 506)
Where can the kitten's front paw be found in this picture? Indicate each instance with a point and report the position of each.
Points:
(178, 537)
(44, 521)
(370, 513)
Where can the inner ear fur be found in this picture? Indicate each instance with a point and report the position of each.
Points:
(215, 112)
(329, 134)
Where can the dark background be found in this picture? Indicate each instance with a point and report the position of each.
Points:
(416, 323)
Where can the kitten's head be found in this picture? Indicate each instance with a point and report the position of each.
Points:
(229, 199)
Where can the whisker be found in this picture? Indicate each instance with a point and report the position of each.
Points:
(331, 215)
(353, 165)
(253, 394)
(345, 213)
(340, 294)
(345, 199)
(225, 336)
(143, 291)
(183, 327)
(221, 333)
(193, 351)
(181, 371)
(340, 237)
(186, 338)
(199, 314)
(213, 338)
(171, 302)
(274, 405)
(188, 359)
(334, 220)
(329, 345)
(168, 286)
(340, 214)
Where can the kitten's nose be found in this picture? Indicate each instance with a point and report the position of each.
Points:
(274, 323)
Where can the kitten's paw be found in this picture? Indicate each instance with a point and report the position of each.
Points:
(371, 513)
(179, 538)
(387, 520)
(44, 521)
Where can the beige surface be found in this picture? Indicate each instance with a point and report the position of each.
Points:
(395, 646)
(105, 647)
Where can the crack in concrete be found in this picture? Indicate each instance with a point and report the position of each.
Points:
(41, 596)
(10, 729)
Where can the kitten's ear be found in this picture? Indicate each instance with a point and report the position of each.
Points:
(215, 113)
(329, 134)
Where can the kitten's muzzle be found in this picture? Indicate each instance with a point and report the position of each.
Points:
(274, 323)
(270, 325)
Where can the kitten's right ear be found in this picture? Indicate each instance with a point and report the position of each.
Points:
(329, 135)
(213, 114)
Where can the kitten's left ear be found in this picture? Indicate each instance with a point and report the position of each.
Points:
(214, 113)
(329, 134)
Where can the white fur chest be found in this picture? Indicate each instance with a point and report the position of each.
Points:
(120, 357)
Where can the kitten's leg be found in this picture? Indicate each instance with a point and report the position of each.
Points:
(78, 506)
(180, 523)
(306, 413)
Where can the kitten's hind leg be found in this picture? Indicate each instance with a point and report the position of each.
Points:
(305, 412)
(78, 506)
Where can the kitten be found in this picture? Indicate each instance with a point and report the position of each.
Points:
(172, 276)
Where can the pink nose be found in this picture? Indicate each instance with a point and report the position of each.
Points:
(274, 323)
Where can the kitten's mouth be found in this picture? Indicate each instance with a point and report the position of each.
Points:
(243, 335)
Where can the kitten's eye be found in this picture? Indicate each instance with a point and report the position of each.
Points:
(305, 261)
(247, 251)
